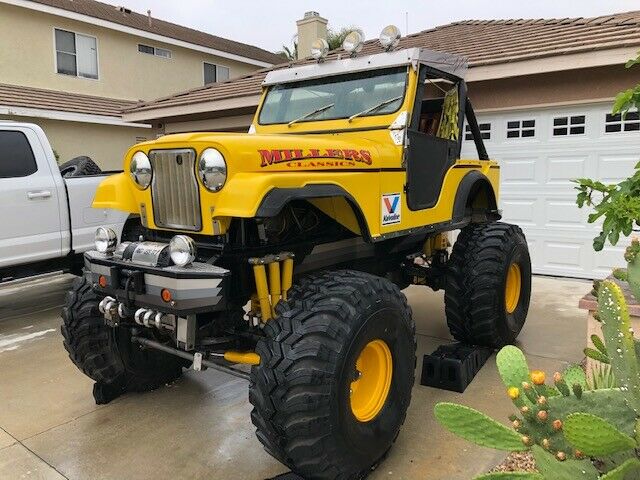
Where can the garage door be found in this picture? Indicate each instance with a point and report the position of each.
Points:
(540, 151)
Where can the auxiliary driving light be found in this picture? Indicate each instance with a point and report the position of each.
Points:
(319, 49)
(353, 42)
(182, 250)
(390, 37)
(106, 240)
(140, 170)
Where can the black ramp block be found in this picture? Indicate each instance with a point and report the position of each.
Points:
(453, 367)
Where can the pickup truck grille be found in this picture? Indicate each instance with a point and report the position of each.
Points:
(174, 189)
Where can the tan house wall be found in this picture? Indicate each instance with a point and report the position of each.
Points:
(105, 144)
(572, 86)
(27, 57)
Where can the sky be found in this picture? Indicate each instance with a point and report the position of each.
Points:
(271, 24)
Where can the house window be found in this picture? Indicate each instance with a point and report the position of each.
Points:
(574, 125)
(158, 52)
(615, 123)
(521, 128)
(485, 131)
(215, 73)
(76, 54)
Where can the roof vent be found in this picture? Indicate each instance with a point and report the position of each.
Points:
(149, 17)
(124, 9)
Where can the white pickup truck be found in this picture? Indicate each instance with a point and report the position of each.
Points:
(46, 220)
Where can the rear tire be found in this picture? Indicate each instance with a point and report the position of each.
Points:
(484, 303)
(107, 354)
(313, 409)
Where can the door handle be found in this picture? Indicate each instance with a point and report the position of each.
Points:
(39, 194)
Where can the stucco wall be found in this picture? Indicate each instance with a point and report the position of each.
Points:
(105, 144)
(27, 57)
(572, 86)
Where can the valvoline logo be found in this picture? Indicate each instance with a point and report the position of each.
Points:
(391, 208)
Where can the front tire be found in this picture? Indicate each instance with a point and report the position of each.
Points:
(107, 354)
(336, 373)
(488, 284)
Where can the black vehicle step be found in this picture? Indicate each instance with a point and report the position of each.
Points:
(453, 366)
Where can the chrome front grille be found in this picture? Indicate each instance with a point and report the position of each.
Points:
(174, 189)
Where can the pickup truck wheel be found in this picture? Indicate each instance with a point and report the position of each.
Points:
(79, 167)
(107, 354)
(336, 373)
(488, 284)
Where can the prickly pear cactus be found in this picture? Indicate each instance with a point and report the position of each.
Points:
(632, 256)
(565, 424)
(619, 341)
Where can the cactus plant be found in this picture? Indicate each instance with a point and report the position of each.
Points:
(564, 423)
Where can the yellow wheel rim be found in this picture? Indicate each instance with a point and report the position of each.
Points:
(369, 391)
(512, 288)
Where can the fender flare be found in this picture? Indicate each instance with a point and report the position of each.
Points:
(470, 185)
(276, 199)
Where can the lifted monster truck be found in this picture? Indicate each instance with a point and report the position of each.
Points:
(339, 196)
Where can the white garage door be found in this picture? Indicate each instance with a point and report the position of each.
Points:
(540, 151)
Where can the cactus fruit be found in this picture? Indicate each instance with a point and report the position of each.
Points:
(537, 377)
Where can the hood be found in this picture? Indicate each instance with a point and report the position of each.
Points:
(285, 152)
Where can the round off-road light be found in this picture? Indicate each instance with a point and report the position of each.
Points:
(212, 170)
(390, 37)
(182, 250)
(319, 49)
(106, 240)
(353, 42)
(140, 170)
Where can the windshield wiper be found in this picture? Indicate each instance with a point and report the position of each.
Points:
(311, 114)
(375, 107)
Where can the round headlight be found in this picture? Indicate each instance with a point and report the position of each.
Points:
(106, 240)
(353, 42)
(319, 49)
(182, 250)
(390, 37)
(212, 169)
(140, 170)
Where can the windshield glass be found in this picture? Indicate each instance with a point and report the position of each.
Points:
(335, 97)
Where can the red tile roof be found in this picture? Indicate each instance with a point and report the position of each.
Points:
(483, 42)
(139, 21)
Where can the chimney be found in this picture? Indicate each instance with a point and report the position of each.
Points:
(310, 28)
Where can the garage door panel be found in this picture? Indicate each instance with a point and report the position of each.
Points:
(561, 170)
(609, 258)
(518, 171)
(564, 255)
(564, 214)
(613, 168)
(521, 211)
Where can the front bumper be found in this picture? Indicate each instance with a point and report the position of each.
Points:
(197, 288)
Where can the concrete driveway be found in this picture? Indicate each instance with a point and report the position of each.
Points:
(199, 427)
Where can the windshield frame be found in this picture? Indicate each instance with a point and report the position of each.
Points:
(376, 113)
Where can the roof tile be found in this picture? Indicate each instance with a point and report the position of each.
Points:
(29, 97)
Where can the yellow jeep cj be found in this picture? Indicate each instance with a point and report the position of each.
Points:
(279, 255)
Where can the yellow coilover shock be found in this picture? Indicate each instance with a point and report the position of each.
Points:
(274, 277)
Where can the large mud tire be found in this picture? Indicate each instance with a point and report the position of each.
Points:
(107, 354)
(488, 285)
(304, 390)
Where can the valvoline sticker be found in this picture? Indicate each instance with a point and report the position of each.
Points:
(391, 208)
